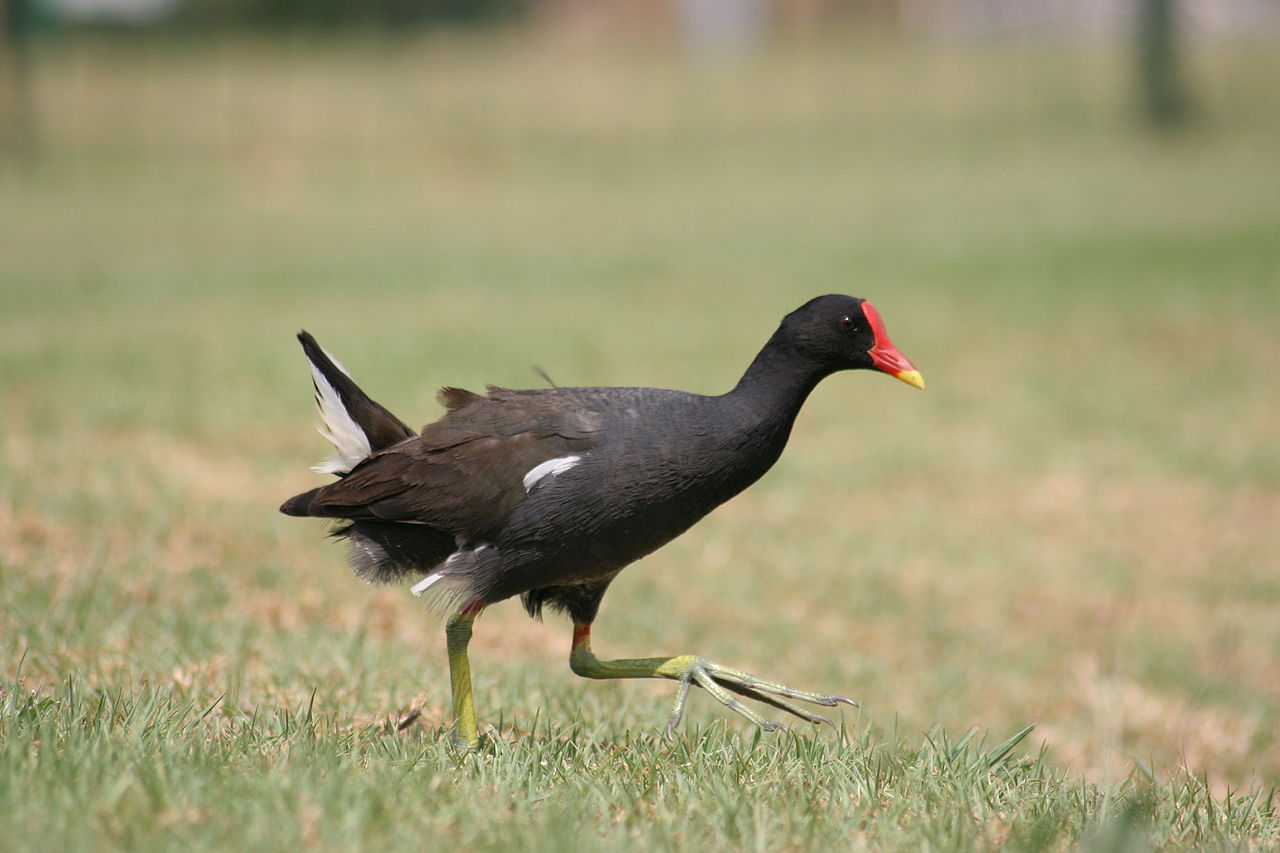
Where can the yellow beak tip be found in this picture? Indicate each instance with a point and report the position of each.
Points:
(911, 377)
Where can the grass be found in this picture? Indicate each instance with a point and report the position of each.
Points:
(564, 786)
(1077, 526)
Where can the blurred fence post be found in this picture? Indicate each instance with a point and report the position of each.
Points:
(722, 28)
(1163, 100)
(17, 123)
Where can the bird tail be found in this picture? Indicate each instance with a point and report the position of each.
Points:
(355, 424)
(300, 505)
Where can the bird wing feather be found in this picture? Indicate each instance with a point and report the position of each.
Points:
(463, 474)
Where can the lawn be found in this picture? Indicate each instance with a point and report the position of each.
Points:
(1076, 527)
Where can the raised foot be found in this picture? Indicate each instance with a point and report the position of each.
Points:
(722, 681)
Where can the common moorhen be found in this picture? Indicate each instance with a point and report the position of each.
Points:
(549, 493)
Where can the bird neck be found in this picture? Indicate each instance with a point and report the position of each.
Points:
(775, 386)
(780, 377)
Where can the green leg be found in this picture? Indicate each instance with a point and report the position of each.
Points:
(457, 632)
(720, 681)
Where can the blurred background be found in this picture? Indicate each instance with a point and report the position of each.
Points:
(1068, 214)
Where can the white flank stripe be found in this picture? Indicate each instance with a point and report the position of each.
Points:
(350, 443)
(423, 585)
(551, 466)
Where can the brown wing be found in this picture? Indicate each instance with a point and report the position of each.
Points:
(464, 473)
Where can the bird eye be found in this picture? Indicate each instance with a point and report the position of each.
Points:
(846, 323)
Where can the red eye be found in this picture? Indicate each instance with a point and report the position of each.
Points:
(846, 323)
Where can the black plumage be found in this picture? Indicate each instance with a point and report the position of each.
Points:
(549, 493)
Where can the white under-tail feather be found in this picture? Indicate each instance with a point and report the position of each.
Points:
(351, 445)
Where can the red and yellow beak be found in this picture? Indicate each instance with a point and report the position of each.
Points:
(885, 355)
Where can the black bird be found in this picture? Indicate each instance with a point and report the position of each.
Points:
(549, 493)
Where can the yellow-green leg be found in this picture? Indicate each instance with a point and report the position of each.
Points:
(719, 681)
(457, 632)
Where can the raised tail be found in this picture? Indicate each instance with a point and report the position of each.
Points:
(355, 424)
(299, 505)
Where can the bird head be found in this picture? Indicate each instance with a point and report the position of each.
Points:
(846, 333)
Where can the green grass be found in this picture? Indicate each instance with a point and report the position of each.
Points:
(1077, 526)
(154, 767)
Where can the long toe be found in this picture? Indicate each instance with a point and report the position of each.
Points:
(726, 675)
(781, 704)
(701, 672)
(720, 681)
